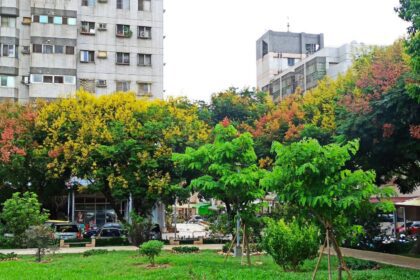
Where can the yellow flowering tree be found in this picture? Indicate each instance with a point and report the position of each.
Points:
(119, 143)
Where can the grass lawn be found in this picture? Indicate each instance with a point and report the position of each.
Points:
(204, 265)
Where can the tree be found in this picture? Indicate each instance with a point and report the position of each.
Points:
(151, 249)
(380, 112)
(121, 144)
(240, 107)
(314, 177)
(42, 238)
(409, 10)
(21, 212)
(228, 171)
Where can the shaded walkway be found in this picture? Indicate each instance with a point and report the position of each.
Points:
(390, 259)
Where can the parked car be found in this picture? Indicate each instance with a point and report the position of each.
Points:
(107, 233)
(195, 219)
(64, 230)
(155, 233)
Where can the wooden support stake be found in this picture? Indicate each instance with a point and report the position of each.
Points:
(319, 260)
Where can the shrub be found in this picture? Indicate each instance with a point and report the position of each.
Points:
(290, 244)
(7, 257)
(356, 264)
(19, 213)
(138, 230)
(186, 249)
(94, 252)
(151, 249)
(42, 238)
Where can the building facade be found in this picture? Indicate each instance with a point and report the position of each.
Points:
(50, 48)
(287, 61)
(277, 51)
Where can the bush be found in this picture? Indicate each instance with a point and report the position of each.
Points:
(151, 249)
(19, 213)
(186, 249)
(42, 238)
(116, 241)
(7, 257)
(94, 252)
(226, 246)
(356, 264)
(290, 244)
(138, 230)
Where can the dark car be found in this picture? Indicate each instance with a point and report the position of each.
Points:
(106, 233)
(155, 233)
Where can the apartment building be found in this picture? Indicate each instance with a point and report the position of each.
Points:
(287, 61)
(50, 48)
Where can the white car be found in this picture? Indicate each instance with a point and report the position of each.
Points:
(64, 230)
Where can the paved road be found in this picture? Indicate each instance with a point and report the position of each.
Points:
(390, 259)
(78, 250)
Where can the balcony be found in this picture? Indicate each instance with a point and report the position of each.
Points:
(6, 92)
(9, 32)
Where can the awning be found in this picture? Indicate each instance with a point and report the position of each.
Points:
(411, 202)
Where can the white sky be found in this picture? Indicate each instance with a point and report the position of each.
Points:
(210, 44)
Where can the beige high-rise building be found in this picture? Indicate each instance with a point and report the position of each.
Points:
(50, 48)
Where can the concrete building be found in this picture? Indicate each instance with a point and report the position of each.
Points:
(277, 51)
(49, 48)
(287, 61)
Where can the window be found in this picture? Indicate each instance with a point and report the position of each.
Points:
(123, 85)
(26, 49)
(35, 18)
(47, 79)
(70, 80)
(48, 49)
(58, 20)
(87, 56)
(88, 27)
(123, 58)
(51, 19)
(43, 19)
(7, 81)
(8, 21)
(36, 78)
(58, 79)
(69, 50)
(123, 4)
(59, 49)
(123, 30)
(89, 3)
(311, 48)
(144, 32)
(8, 50)
(264, 48)
(144, 89)
(145, 5)
(144, 59)
(71, 21)
(36, 48)
(290, 61)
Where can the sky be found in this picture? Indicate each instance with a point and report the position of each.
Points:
(209, 45)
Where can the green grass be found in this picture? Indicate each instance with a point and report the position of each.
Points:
(204, 265)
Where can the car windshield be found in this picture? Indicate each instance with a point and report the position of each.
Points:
(109, 232)
(66, 228)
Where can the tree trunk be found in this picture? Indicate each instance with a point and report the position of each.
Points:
(340, 255)
(248, 252)
(108, 195)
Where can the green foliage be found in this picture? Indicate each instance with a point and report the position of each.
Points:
(20, 212)
(356, 264)
(42, 238)
(138, 229)
(229, 169)
(185, 249)
(7, 257)
(94, 252)
(151, 249)
(241, 107)
(290, 244)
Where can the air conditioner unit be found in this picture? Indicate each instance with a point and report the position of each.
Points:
(101, 83)
(26, 50)
(25, 80)
(102, 26)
